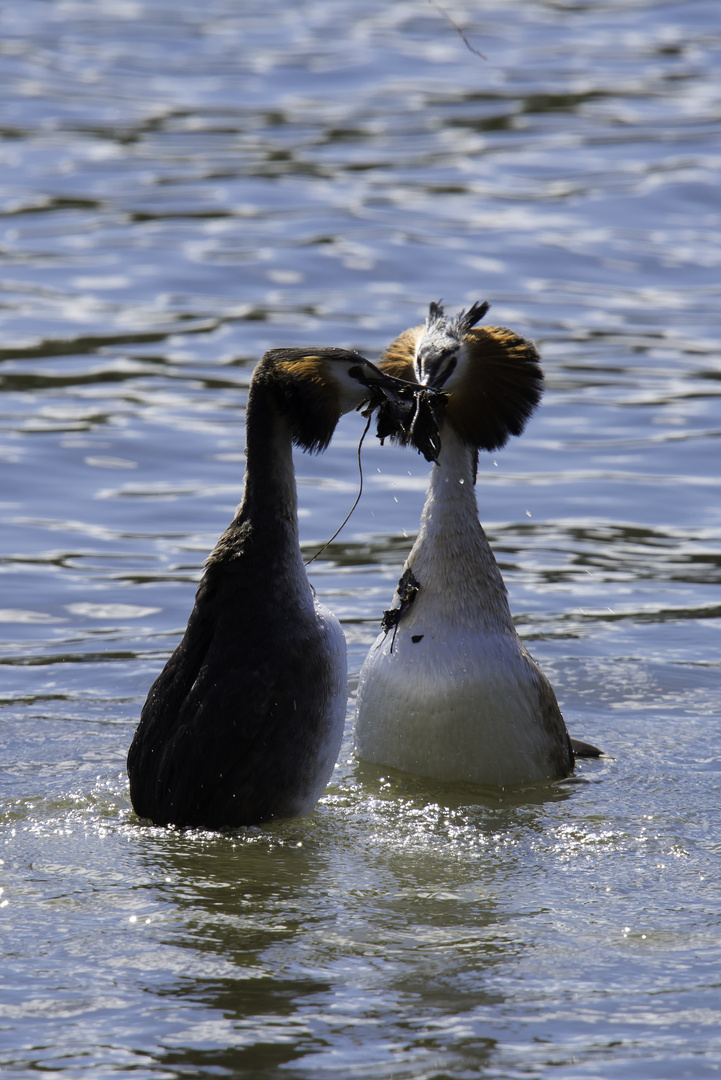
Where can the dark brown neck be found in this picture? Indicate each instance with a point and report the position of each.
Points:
(269, 496)
(264, 531)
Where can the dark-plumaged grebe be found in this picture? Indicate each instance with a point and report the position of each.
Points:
(245, 721)
(448, 690)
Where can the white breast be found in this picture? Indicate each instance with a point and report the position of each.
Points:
(456, 704)
(334, 699)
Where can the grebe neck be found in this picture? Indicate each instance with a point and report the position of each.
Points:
(270, 497)
(264, 530)
(451, 558)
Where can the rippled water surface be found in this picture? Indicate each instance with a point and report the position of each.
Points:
(183, 186)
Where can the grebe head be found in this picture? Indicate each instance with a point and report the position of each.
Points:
(314, 387)
(492, 376)
(442, 343)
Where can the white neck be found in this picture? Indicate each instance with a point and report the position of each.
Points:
(451, 558)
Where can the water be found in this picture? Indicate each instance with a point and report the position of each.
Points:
(184, 186)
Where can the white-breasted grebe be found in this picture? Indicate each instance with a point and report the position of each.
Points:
(448, 690)
(245, 721)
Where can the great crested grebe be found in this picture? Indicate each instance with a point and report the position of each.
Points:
(245, 721)
(448, 690)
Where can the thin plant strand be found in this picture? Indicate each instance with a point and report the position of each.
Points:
(345, 520)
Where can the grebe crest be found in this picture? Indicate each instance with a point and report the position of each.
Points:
(245, 721)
